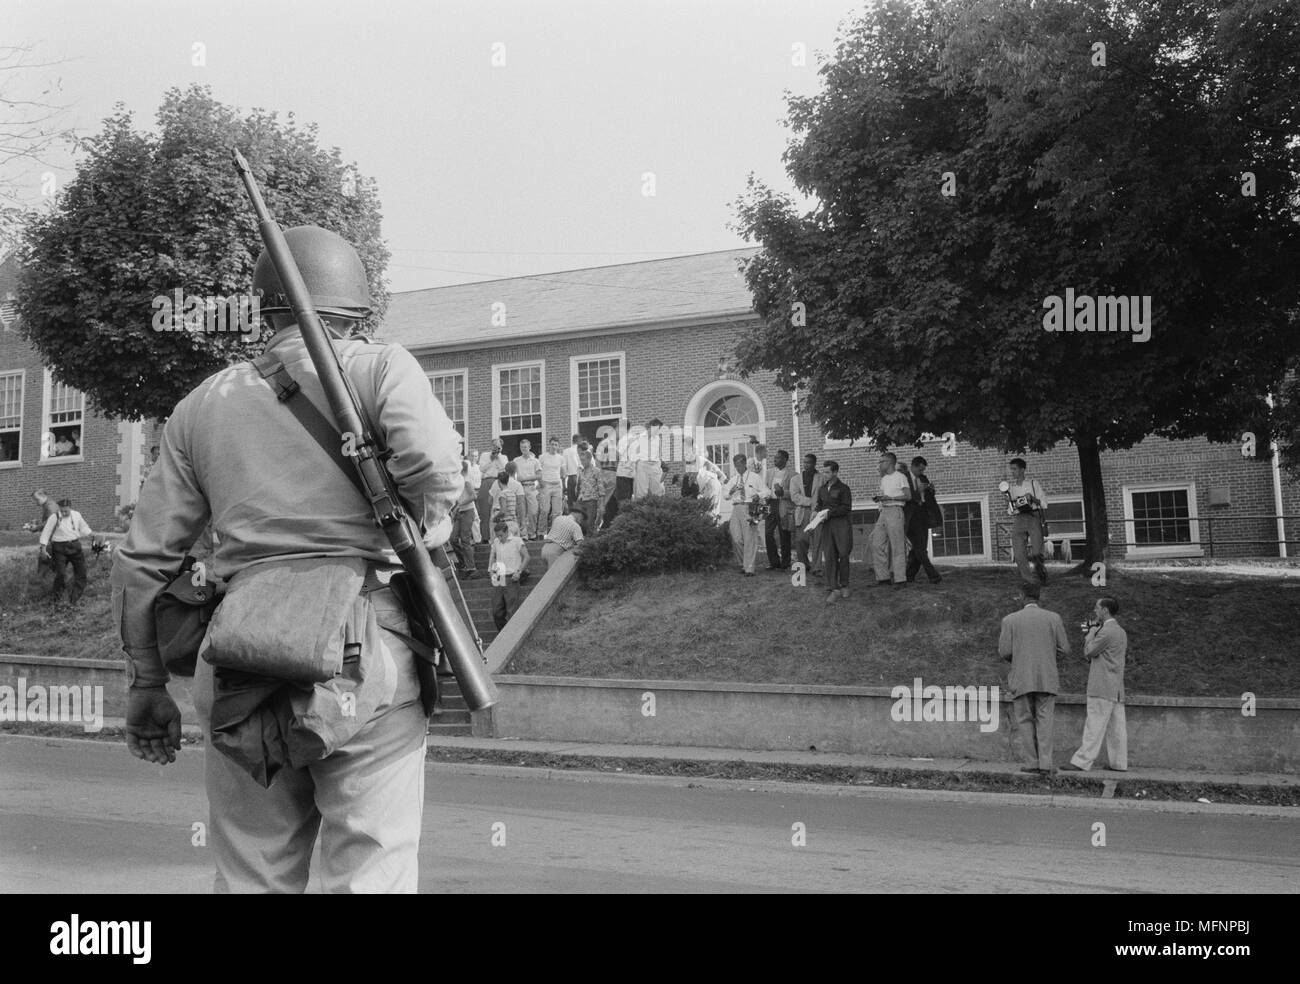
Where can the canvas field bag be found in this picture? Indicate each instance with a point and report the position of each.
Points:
(287, 619)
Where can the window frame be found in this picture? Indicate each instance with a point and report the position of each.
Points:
(1191, 549)
(22, 399)
(497, 369)
(575, 414)
(47, 427)
(981, 558)
(464, 377)
(1052, 500)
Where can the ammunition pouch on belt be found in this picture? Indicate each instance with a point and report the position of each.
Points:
(181, 614)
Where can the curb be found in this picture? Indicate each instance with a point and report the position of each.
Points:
(1046, 801)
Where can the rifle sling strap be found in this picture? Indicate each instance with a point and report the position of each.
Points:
(326, 434)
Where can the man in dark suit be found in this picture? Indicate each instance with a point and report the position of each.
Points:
(1031, 639)
(780, 512)
(834, 496)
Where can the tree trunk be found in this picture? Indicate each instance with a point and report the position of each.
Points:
(1094, 503)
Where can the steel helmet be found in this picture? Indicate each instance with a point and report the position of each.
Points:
(330, 268)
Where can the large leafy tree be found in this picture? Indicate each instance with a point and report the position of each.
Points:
(924, 310)
(150, 213)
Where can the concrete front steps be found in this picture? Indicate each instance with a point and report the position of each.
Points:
(454, 718)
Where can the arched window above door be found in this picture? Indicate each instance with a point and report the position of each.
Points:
(731, 411)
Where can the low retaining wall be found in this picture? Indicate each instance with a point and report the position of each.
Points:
(18, 671)
(1200, 733)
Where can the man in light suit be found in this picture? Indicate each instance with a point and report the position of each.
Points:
(1106, 645)
(801, 492)
(1031, 639)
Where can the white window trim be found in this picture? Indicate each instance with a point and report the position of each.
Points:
(847, 444)
(1192, 549)
(566, 439)
(70, 459)
(22, 399)
(464, 375)
(497, 368)
(987, 556)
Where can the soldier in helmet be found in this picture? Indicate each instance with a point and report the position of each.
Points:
(232, 454)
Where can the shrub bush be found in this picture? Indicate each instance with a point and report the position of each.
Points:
(654, 535)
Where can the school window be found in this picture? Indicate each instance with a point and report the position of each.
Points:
(1161, 520)
(599, 385)
(449, 389)
(64, 415)
(11, 417)
(519, 406)
(9, 314)
(1065, 520)
(965, 530)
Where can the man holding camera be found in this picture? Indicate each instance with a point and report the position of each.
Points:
(1106, 645)
(1026, 501)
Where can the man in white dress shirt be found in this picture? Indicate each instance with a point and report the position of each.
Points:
(742, 489)
(61, 543)
(888, 538)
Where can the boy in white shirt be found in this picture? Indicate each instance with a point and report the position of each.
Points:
(550, 489)
(507, 565)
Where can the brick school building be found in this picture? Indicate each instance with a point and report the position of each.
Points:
(586, 351)
(51, 437)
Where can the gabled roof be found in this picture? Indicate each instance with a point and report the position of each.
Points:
(677, 289)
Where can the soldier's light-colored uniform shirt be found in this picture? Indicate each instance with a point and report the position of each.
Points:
(233, 453)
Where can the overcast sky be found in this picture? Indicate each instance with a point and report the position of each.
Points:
(484, 171)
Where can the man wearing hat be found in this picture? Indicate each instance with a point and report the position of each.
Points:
(232, 453)
(61, 544)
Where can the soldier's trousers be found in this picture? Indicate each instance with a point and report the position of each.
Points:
(365, 801)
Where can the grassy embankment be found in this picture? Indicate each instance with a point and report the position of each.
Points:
(1192, 633)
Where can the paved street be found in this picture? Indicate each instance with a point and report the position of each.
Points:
(85, 817)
